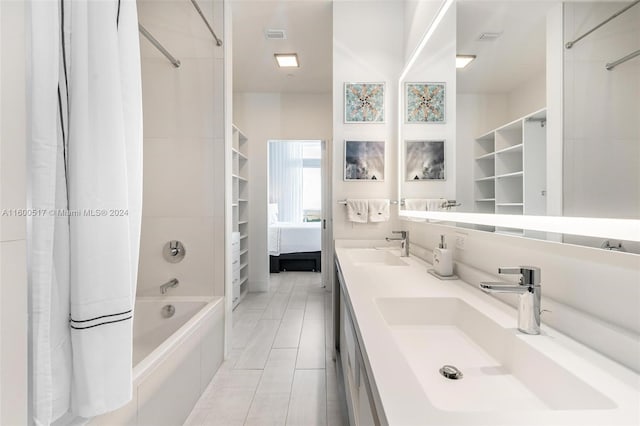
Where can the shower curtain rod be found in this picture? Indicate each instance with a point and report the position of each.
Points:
(156, 43)
(612, 65)
(206, 22)
(570, 44)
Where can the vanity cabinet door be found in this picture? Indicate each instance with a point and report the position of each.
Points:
(348, 359)
(357, 385)
(365, 410)
(361, 411)
(349, 348)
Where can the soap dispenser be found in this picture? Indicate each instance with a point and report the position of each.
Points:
(442, 259)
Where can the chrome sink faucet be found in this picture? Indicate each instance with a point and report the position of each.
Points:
(404, 242)
(169, 284)
(530, 293)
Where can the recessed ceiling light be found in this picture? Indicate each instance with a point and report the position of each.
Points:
(287, 60)
(464, 60)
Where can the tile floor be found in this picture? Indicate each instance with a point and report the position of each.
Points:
(280, 371)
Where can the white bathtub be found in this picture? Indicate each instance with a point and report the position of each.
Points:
(173, 359)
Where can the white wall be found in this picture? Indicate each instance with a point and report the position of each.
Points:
(13, 276)
(528, 97)
(183, 149)
(435, 64)
(273, 116)
(366, 50)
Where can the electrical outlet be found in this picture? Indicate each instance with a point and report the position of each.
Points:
(460, 240)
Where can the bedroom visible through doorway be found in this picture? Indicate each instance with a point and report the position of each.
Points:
(295, 211)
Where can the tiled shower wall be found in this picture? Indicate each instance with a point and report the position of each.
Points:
(183, 148)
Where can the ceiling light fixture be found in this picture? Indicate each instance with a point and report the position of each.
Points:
(287, 60)
(464, 60)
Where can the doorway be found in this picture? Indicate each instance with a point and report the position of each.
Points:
(297, 214)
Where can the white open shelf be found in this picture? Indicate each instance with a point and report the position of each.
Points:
(488, 156)
(513, 148)
(519, 173)
(510, 169)
(240, 211)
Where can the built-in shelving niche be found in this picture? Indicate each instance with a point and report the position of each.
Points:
(510, 170)
(240, 214)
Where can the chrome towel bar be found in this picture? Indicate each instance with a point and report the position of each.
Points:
(445, 204)
(344, 202)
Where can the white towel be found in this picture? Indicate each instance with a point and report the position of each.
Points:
(417, 204)
(435, 204)
(379, 210)
(357, 211)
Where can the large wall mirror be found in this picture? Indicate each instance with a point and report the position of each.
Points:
(530, 127)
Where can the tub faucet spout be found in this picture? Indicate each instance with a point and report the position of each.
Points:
(169, 284)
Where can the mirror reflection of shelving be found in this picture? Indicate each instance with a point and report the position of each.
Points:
(510, 171)
(240, 213)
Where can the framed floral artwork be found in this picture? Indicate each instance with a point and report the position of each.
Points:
(425, 102)
(364, 160)
(364, 103)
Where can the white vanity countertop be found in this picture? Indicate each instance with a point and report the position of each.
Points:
(402, 395)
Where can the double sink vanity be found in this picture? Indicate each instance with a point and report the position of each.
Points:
(416, 350)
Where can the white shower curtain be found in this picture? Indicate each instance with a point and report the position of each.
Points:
(86, 185)
(285, 179)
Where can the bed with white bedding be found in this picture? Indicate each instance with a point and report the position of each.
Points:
(294, 246)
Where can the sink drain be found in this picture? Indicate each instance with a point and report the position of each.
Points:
(451, 372)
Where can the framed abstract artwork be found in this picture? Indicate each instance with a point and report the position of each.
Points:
(424, 160)
(364, 160)
(425, 102)
(364, 103)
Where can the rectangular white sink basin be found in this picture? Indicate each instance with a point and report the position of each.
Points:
(376, 256)
(501, 371)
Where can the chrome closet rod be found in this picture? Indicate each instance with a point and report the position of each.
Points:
(570, 44)
(206, 22)
(156, 43)
(612, 65)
